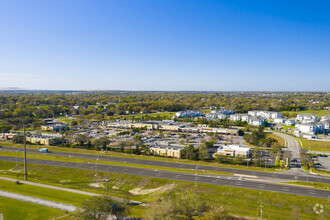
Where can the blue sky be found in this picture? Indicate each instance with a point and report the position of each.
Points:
(165, 45)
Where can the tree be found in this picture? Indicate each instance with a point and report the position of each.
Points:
(95, 208)
(100, 207)
(5, 128)
(217, 213)
(102, 142)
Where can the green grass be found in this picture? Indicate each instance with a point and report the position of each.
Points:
(142, 157)
(82, 160)
(321, 146)
(279, 139)
(319, 113)
(322, 186)
(286, 127)
(17, 210)
(43, 193)
(238, 201)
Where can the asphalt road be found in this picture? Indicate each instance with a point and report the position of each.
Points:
(224, 180)
(282, 175)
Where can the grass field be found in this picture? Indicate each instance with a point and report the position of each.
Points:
(276, 205)
(142, 157)
(279, 139)
(319, 113)
(43, 193)
(323, 186)
(17, 210)
(322, 146)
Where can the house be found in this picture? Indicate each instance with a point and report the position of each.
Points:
(307, 118)
(234, 150)
(256, 121)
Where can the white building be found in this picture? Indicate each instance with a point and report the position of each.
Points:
(188, 113)
(222, 110)
(256, 121)
(238, 117)
(325, 118)
(265, 114)
(290, 122)
(279, 120)
(311, 128)
(234, 150)
(216, 115)
(307, 118)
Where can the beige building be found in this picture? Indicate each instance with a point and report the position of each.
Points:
(167, 150)
(44, 139)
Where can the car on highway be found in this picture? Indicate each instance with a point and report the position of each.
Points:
(44, 150)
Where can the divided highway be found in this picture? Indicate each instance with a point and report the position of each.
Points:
(280, 175)
(224, 180)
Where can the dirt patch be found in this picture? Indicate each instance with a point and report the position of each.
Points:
(140, 191)
(97, 185)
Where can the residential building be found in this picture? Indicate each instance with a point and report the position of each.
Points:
(188, 113)
(290, 122)
(53, 127)
(222, 110)
(265, 114)
(311, 128)
(216, 115)
(279, 120)
(325, 118)
(307, 118)
(240, 117)
(256, 121)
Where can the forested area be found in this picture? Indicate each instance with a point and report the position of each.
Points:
(18, 108)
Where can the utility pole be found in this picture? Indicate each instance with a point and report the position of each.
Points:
(25, 164)
(261, 211)
(106, 184)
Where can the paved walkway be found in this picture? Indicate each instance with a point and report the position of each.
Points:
(65, 189)
(52, 204)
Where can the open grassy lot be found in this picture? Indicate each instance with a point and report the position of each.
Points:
(323, 186)
(142, 157)
(319, 113)
(279, 139)
(322, 146)
(82, 160)
(16, 210)
(43, 193)
(276, 205)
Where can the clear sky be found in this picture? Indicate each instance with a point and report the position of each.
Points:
(165, 45)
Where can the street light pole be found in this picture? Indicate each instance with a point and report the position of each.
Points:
(25, 164)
